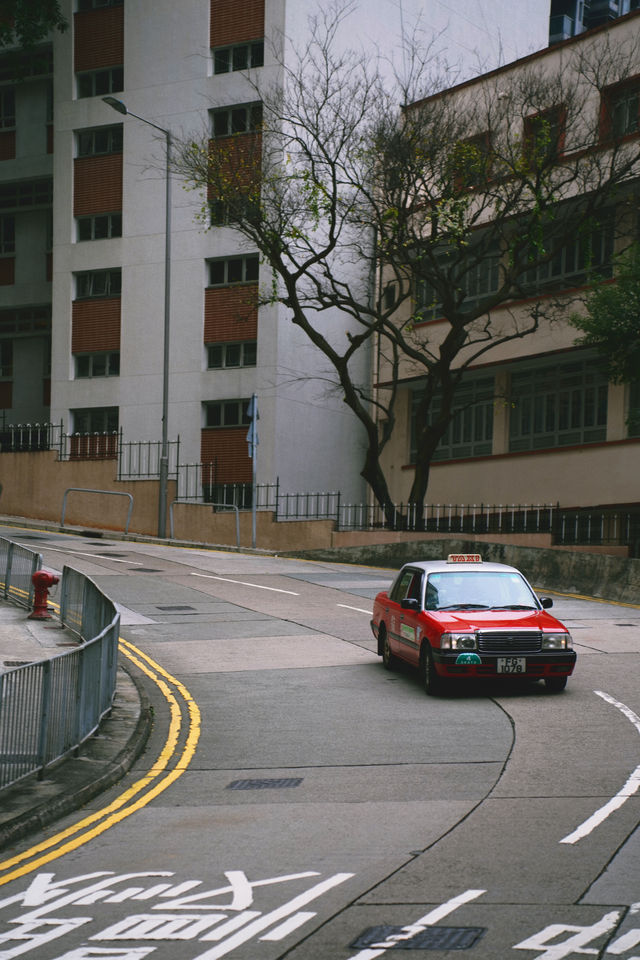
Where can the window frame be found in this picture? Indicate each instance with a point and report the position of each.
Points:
(113, 286)
(7, 234)
(227, 419)
(547, 410)
(6, 359)
(470, 430)
(87, 82)
(94, 413)
(252, 119)
(245, 347)
(112, 366)
(255, 51)
(248, 260)
(8, 109)
(114, 226)
(115, 142)
(610, 100)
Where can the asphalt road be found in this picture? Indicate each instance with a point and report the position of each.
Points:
(297, 800)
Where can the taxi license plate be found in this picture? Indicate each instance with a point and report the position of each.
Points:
(512, 665)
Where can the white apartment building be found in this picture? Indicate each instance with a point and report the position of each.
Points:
(82, 231)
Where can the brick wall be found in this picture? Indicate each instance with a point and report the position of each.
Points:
(98, 38)
(235, 21)
(97, 184)
(95, 325)
(228, 449)
(231, 313)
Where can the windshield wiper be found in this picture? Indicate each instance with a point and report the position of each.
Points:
(466, 606)
(515, 606)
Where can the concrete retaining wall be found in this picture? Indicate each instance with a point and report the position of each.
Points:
(566, 571)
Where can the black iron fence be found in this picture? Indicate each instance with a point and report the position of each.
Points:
(137, 459)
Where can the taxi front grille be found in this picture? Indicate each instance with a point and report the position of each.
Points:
(506, 641)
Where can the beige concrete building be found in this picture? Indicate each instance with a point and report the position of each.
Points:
(537, 422)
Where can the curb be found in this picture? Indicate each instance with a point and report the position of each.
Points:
(68, 798)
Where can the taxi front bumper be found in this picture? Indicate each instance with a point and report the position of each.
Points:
(535, 666)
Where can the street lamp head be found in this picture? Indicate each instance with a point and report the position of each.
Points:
(116, 104)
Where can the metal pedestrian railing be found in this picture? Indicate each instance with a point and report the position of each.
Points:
(49, 708)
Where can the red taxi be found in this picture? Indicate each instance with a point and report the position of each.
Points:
(462, 619)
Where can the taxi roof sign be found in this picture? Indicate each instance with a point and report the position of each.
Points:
(464, 558)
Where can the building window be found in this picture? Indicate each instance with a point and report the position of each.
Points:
(98, 283)
(241, 56)
(633, 417)
(544, 136)
(6, 359)
(620, 110)
(100, 141)
(97, 365)
(470, 162)
(7, 109)
(228, 355)
(95, 420)
(244, 118)
(470, 431)
(84, 5)
(227, 413)
(31, 193)
(557, 405)
(588, 251)
(97, 83)
(7, 234)
(476, 280)
(100, 226)
(224, 272)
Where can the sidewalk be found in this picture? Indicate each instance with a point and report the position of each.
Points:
(103, 760)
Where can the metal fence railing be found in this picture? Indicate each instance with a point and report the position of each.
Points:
(17, 566)
(28, 437)
(49, 708)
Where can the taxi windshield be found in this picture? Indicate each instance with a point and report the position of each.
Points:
(479, 590)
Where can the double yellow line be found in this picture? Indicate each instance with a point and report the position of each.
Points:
(170, 764)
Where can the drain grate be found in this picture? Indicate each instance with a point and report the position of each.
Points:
(276, 784)
(431, 938)
(146, 570)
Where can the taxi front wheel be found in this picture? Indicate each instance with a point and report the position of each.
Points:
(388, 658)
(430, 679)
(555, 684)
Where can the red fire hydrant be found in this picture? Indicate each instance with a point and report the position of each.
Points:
(42, 580)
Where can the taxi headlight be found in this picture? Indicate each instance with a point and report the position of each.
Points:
(557, 641)
(458, 641)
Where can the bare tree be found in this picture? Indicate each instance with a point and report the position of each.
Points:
(401, 201)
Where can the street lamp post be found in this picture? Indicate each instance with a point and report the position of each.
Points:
(164, 451)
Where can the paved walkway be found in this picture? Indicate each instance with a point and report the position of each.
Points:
(101, 762)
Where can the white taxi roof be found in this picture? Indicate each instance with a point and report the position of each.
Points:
(458, 566)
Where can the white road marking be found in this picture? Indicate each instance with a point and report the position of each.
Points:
(242, 583)
(630, 788)
(93, 556)
(411, 929)
(357, 609)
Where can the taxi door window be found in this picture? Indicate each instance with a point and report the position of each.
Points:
(402, 586)
(408, 585)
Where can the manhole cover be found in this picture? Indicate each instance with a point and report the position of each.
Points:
(431, 938)
(275, 784)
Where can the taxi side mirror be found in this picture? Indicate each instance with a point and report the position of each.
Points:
(546, 602)
(409, 603)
